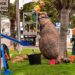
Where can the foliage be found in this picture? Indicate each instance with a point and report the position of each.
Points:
(66, 4)
(12, 11)
(49, 8)
(72, 25)
(52, 7)
(26, 8)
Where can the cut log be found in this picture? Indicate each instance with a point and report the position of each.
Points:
(49, 38)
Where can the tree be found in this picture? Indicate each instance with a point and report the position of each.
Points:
(64, 7)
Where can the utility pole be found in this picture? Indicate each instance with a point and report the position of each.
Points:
(0, 27)
(18, 21)
(0, 42)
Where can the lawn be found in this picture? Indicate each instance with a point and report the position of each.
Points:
(24, 51)
(24, 68)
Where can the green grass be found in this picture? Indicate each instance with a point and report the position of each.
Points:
(24, 51)
(24, 68)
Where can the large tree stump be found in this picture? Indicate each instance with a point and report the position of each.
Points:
(49, 38)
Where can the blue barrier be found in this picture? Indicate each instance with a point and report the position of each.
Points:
(23, 43)
(6, 71)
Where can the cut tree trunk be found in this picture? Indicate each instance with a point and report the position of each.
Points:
(63, 31)
(49, 38)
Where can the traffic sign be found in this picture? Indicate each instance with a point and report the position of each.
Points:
(4, 5)
(58, 24)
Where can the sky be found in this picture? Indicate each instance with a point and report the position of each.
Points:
(21, 2)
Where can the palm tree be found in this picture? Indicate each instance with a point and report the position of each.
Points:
(64, 7)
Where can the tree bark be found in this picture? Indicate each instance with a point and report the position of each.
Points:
(49, 38)
(63, 31)
(13, 32)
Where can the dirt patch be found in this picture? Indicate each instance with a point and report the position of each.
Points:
(19, 58)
